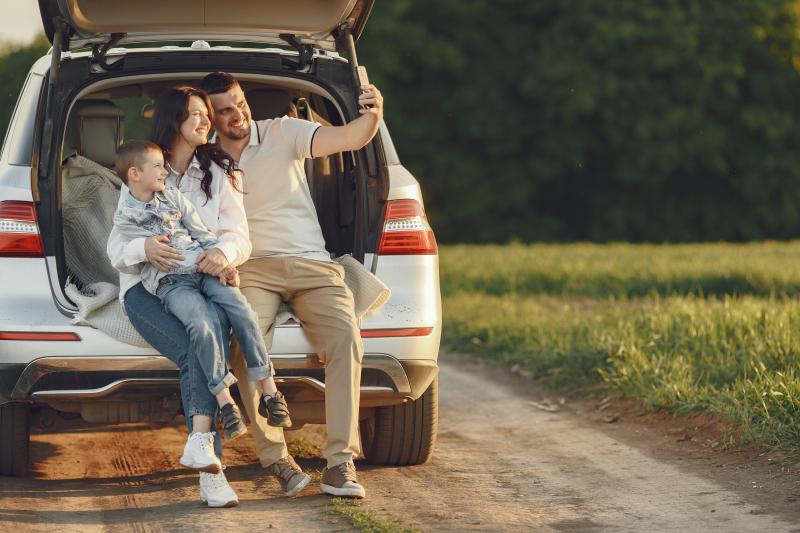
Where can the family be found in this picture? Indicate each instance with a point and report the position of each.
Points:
(209, 239)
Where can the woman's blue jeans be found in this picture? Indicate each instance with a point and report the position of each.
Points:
(168, 336)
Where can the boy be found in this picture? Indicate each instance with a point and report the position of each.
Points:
(152, 209)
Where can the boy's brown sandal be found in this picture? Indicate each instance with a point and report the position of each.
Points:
(275, 410)
(232, 423)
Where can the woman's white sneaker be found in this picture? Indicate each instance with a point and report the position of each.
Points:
(199, 453)
(215, 491)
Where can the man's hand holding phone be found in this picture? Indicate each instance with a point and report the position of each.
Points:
(370, 100)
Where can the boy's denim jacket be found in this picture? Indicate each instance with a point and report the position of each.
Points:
(170, 214)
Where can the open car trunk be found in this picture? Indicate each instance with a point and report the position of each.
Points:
(92, 113)
(92, 22)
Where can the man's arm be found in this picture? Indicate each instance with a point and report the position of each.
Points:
(355, 135)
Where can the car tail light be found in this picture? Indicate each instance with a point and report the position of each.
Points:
(406, 230)
(19, 233)
(396, 332)
(38, 336)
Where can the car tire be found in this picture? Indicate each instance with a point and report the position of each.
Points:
(403, 434)
(14, 439)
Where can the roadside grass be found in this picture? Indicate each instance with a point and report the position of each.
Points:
(737, 357)
(303, 447)
(364, 519)
(623, 270)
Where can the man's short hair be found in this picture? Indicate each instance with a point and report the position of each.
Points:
(218, 82)
(131, 154)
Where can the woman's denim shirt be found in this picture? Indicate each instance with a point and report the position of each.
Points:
(170, 214)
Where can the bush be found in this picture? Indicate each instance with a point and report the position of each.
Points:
(595, 120)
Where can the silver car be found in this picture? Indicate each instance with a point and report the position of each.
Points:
(109, 62)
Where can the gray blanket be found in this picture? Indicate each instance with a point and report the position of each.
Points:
(89, 197)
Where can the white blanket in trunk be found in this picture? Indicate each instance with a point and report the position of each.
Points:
(99, 307)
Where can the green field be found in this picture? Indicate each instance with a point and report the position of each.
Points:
(691, 328)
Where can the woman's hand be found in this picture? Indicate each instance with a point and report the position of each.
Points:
(212, 262)
(160, 254)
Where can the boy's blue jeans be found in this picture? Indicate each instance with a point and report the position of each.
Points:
(193, 299)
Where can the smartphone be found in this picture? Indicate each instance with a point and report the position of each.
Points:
(363, 79)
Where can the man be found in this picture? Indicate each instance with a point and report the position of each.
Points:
(289, 262)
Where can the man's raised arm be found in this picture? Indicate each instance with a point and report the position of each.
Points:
(355, 135)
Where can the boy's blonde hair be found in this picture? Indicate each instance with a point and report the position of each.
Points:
(130, 154)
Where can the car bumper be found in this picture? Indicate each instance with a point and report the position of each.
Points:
(385, 379)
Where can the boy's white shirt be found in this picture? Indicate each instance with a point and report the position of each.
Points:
(223, 214)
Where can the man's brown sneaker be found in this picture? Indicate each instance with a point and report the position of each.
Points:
(340, 480)
(290, 476)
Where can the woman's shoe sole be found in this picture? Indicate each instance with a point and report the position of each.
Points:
(213, 468)
(232, 503)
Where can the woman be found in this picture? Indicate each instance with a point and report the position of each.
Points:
(209, 178)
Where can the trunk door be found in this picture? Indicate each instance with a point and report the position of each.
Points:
(313, 22)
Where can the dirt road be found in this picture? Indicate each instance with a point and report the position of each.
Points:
(501, 463)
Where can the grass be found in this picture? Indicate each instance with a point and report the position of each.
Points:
(364, 519)
(623, 270)
(700, 328)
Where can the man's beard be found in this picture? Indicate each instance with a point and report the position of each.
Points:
(238, 134)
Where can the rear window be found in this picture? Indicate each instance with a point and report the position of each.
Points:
(138, 115)
(18, 151)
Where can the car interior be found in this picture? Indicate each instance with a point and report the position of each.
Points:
(99, 122)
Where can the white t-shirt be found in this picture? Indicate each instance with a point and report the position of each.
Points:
(280, 212)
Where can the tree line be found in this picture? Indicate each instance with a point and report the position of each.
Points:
(545, 120)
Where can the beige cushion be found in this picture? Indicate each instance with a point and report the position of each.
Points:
(95, 130)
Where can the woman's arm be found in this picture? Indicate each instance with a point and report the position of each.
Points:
(233, 236)
(125, 255)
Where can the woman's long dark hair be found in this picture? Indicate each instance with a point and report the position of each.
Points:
(172, 108)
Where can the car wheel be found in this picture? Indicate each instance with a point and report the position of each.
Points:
(403, 434)
(14, 439)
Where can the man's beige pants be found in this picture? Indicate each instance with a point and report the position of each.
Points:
(316, 292)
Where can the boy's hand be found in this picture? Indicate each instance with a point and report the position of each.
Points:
(233, 277)
(229, 277)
